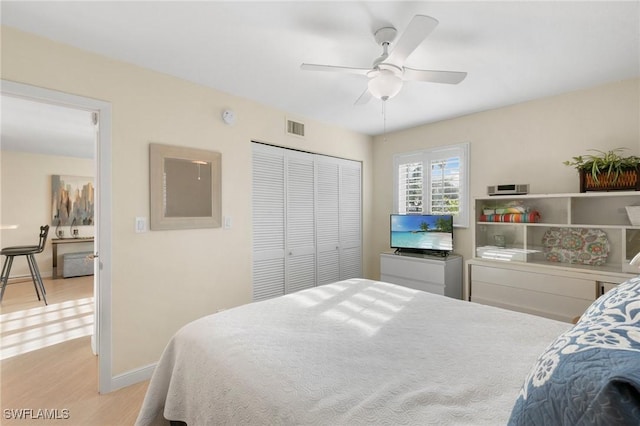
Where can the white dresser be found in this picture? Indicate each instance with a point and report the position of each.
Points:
(439, 275)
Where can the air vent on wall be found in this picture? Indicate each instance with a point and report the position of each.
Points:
(295, 128)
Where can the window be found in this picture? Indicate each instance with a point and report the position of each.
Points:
(433, 181)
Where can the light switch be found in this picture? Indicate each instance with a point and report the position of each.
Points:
(227, 222)
(141, 224)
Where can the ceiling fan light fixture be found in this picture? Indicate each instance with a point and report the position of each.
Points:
(385, 85)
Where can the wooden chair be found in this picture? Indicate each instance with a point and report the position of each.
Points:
(29, 252)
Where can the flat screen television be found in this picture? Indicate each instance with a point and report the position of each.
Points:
(422, 233)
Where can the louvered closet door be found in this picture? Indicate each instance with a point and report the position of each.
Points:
(306, 220)
(300, 231)
(350, 220)
(268, 222)
(328, 220)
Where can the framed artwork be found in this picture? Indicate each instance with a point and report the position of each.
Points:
(72, 199)
(185, 187)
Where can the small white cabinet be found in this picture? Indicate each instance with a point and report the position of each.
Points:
(421, 272)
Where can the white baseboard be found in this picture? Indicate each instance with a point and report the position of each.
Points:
(132, 377)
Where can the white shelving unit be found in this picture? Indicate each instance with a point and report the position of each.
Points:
(512, 267)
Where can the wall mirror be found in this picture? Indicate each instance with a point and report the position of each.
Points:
(185, 187)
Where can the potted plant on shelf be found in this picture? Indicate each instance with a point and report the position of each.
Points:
(607, 171)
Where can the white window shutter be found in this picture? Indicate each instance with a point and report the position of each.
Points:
(449, 182)
(410, 187)
(444, 191)
(433, 181)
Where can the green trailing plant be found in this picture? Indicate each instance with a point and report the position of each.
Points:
(609, 162)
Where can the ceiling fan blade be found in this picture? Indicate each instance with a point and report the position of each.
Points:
(419, 28)
(449, 77)
(333, 68)
(364, 98)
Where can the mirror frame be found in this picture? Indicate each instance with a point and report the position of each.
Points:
(158, 153)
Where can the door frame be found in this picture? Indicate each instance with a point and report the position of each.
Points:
(102, 244)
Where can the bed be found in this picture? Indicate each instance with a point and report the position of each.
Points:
(362, 352)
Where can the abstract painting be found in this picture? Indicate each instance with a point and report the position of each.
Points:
(72, 198)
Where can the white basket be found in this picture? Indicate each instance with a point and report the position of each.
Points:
(634, 215)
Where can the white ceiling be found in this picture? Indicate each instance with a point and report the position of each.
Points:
(37, 127)
(513, 51)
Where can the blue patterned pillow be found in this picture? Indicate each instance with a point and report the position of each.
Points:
(590, 375)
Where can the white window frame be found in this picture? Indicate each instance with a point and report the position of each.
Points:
(426, 156)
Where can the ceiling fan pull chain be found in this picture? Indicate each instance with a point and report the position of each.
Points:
(384, 121)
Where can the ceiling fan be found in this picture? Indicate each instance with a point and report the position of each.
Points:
(388, 72)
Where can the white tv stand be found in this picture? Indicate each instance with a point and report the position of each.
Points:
(434, 274)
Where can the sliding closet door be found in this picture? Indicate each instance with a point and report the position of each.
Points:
(306, 220)
(268, 222)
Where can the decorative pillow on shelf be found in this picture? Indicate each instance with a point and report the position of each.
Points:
(590, 375)
(587, 246)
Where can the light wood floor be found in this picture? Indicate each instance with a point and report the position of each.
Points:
(61, 378)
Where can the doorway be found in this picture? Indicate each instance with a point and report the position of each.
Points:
(102, 239)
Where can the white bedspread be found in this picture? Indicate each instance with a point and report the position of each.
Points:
(356, 352)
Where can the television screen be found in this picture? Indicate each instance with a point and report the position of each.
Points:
(422, 232)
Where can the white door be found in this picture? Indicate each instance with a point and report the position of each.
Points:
(350, 220)
(300, 271)
(268, 222)
(328, 220)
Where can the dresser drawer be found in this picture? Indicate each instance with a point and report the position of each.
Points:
(413, 269)
(553, 296)
(537, 282)
(432, 274)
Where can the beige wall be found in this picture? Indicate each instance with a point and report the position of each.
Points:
(524, 143)
(163, 279)
(26, 202)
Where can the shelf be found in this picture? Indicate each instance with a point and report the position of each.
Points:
(561, 225)
(575, 195)
(505, 254)
(602, 273)
(592, 211)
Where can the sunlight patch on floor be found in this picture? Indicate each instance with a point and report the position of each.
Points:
(35, 328)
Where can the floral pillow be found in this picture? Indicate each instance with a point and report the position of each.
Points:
(590, 375)
(585, 246)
